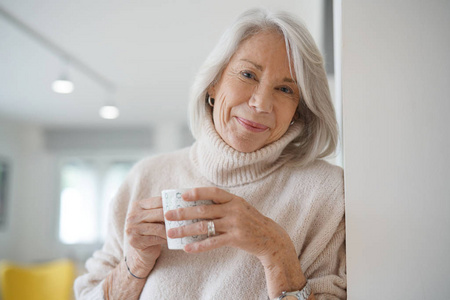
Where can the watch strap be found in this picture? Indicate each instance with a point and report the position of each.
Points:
(303, 294)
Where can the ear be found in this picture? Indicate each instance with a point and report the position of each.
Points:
(296, 116)
(212, 91)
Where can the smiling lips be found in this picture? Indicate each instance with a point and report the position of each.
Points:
(252, 126)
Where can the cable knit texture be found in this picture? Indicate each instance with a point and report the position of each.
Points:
(308, 202)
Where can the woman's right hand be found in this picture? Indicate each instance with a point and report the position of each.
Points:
(146, 233)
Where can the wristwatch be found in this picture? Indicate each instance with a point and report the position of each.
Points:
(303, 294)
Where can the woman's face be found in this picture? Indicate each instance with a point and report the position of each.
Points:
(256, 96)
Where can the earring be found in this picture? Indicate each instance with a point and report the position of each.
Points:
(211, 101)
(295, 118)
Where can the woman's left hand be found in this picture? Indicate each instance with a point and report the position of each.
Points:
(240, 225)
(237, 224)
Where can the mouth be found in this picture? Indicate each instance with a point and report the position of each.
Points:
(252, 126)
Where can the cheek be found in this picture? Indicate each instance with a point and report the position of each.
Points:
(219, 115)
(279, 131)
(234, 92)
(221, 109)
(284, 119)
(228, 97)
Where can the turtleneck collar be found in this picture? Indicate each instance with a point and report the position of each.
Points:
(226, 167)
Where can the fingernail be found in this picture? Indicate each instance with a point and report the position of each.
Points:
(169, 215)
(171, 233)
(185, 196)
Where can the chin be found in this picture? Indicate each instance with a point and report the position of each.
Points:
(244, 143)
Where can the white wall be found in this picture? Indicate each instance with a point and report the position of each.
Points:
(10, 149)
(32, 208)
(396, 102)
(18, 142)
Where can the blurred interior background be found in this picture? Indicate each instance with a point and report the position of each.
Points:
(61, 161)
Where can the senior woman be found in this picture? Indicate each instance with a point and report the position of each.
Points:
(262, 118)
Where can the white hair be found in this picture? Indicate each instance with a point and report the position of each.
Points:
(319, 136)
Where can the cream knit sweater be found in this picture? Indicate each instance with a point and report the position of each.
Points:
(307, 202)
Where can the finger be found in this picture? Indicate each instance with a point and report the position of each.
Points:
(196, 212)
(153, 215)
(143, 242)
(147, 229)
(208, 193)
(208, 244)
(150, 203)
(197, 228)
(145, 216)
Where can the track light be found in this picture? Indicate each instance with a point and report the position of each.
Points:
(109, 112)
(63, 85)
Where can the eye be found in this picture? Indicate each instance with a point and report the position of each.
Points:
(286, 90)
(248, 74)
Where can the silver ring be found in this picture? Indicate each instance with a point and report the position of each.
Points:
(211, 228)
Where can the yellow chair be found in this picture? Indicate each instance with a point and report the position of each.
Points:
(48, 281)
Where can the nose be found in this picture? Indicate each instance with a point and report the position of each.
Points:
(262, 99)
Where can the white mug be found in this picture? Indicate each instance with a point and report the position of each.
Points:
(171, 199)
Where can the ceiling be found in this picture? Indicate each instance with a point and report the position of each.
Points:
(149, 50)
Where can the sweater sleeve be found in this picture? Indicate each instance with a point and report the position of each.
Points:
(328, 275)
(90, 285)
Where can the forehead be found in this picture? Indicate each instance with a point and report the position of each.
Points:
(267, 49)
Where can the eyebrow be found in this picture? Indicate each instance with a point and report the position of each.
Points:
(259, 67)
(289, 80)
